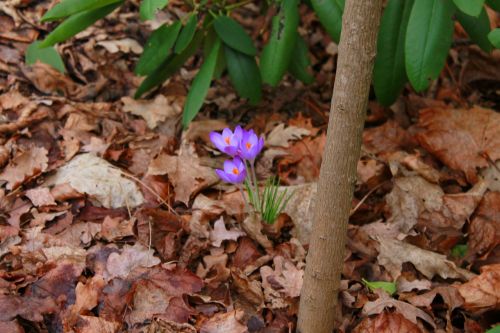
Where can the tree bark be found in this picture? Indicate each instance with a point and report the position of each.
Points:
(357, 50)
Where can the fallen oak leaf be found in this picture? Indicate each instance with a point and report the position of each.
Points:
(154, 111)
(284, 281)
(387, 322)
(253, 227)
(24, 166)
(482, 293)
(103, 182)
(393, 253)
(409, 311)
(220, 233)
(225, 322)
(131, 257)
(185, 172)
(40, 196)
(462, 139)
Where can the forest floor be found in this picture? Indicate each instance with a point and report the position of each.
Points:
(113, 220)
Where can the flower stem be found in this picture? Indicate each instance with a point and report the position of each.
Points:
(256, 183)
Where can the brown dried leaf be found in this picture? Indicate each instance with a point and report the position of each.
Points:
(30, 308)
(24, 166)
(387, 322)
(40, 196)
(461, 139)
(220, 233)
(89, 324)
(285, 281)
(131, 257)
(393, 253)
(409, 311)
(482, 293)
(253, 227)
(154, 111)
(225, 322)
(484, 231)
(116, 228)
(389, 137)
(186, 174)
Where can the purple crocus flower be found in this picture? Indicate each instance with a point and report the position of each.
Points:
(234, 171)
(250, 145)
(228, 142)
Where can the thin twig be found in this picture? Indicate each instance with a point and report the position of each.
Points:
(364, 198)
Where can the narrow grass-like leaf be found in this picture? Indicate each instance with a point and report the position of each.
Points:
(428, 40)
(494, 37)
(67, 8)
(389, 74)
(277, 55)
(200, 85)
(244, 74)
(169, 66)
(149, 8)
(76, 23)
(330, 15)
(470, 7)
(47, 55)
(477, 28)
(157, 48)
(299, 66)
(233, 35)
(186, 34)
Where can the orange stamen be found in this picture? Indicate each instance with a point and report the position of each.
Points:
(248, 145)
(227, 139)
(236, 171)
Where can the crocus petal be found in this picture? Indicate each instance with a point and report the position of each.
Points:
(218, 141)
(222, 175)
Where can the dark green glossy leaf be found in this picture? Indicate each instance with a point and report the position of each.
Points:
(470, 7)
(276, 56)
(186, 34)
(389, 287)
(495, 329)
(157, 48)
(200, 85)
(477, 28)
(47, 55)
(330, 15)
(428, 40)
(67, 8)
(299, 66)
(233, 35)
(169, 66)
(389, 74)
(244, 74)
(76, 23)
(494, 37)
(494, 4)
(149, 8)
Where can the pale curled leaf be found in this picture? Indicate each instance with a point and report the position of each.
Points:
(393, 253)
(220, 233)
(103, 182)
(24, 166)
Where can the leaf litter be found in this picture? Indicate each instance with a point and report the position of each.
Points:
(112, 221)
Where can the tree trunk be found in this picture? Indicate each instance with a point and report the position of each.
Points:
(337, 178)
